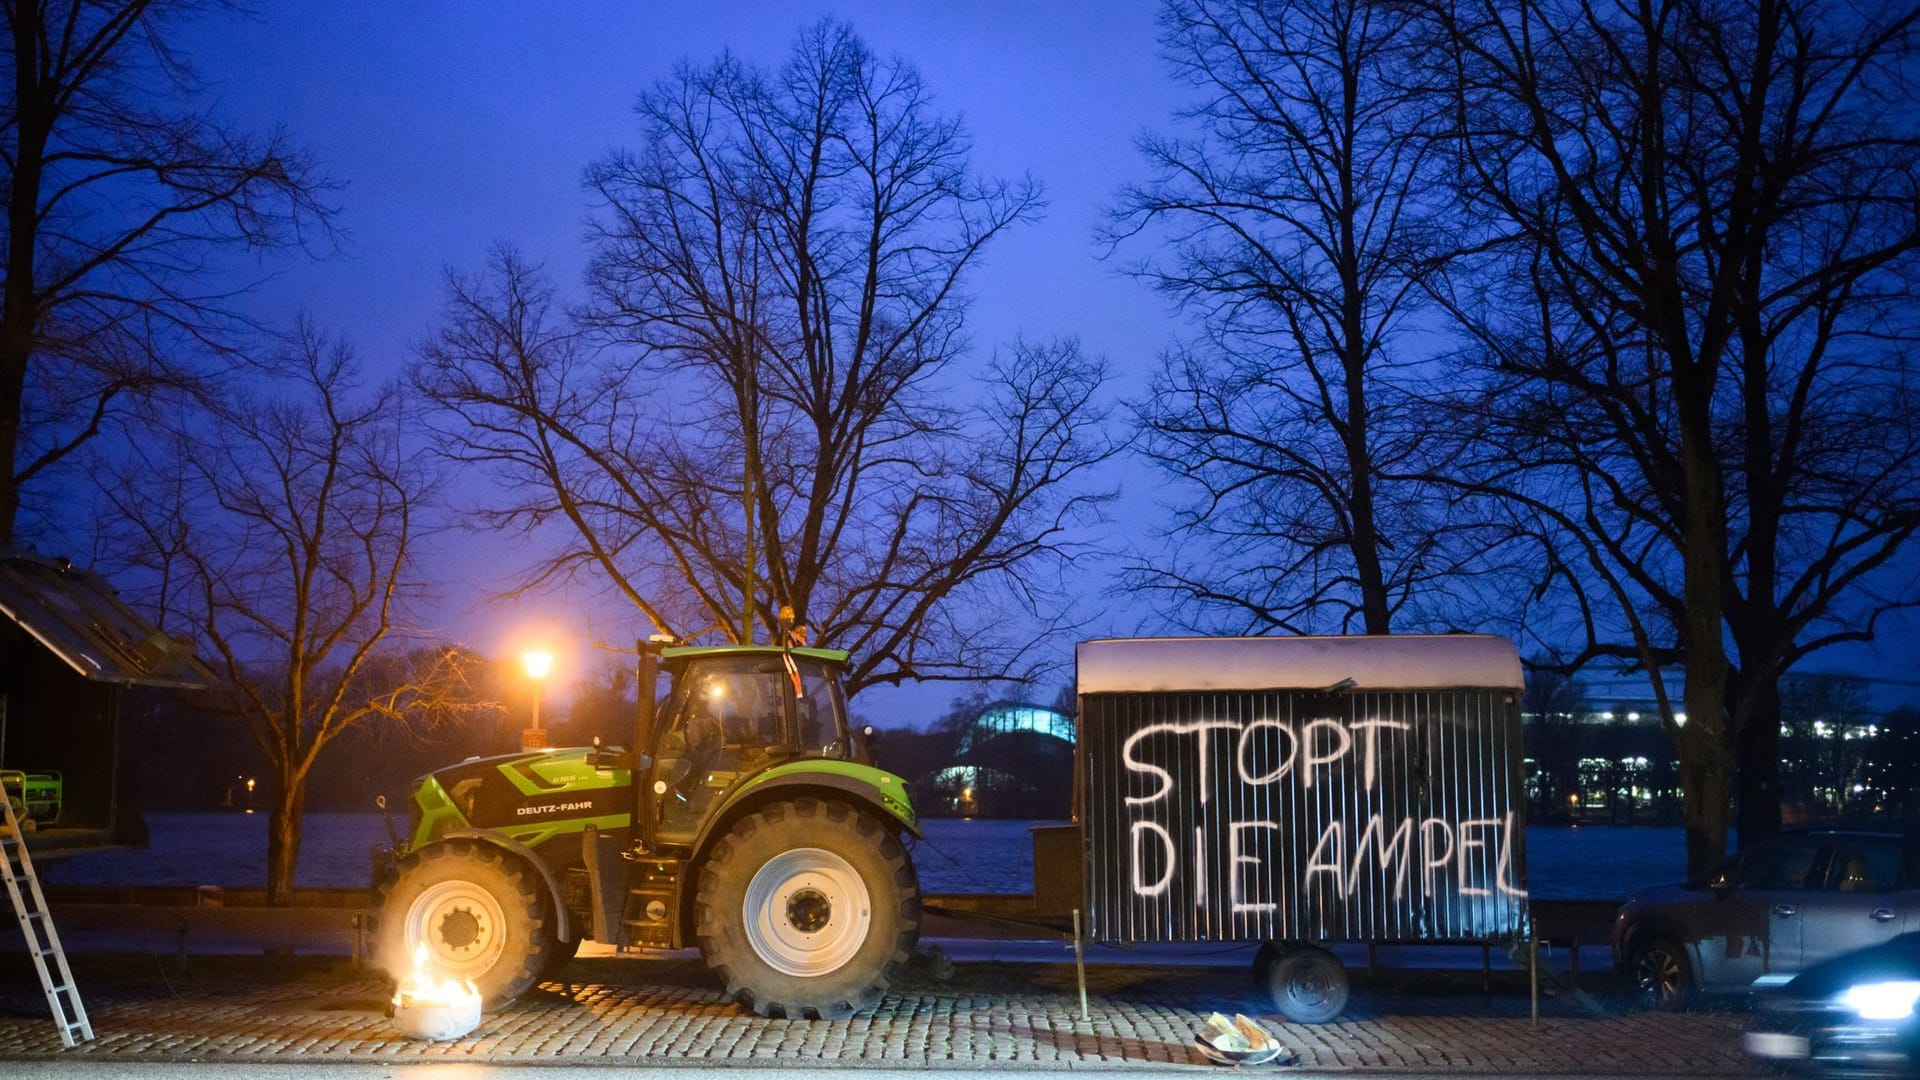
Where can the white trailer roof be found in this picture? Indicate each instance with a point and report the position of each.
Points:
(1397, 662)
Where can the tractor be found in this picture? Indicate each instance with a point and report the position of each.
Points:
(747, 819)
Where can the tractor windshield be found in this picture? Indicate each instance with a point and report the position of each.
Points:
(770, 702)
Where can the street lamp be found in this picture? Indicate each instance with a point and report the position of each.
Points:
(538, 664)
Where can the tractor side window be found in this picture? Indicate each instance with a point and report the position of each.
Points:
(818, 723)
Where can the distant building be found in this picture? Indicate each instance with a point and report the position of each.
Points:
(1014, 760)
(1849, 749)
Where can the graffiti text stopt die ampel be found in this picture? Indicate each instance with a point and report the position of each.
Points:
(1448, 850)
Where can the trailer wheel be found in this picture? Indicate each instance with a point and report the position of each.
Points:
(475, 911)
(807, 909)
(1308, 985)
(1264, 958)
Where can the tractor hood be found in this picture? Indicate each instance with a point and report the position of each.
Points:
(519, 793)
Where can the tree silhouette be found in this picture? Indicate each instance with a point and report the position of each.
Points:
(1297, 225)
(288, 535)
(755, 410)
(1700, 223)
(120, 191)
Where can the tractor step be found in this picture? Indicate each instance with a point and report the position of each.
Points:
(653, 899)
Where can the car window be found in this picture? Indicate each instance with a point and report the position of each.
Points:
(1783, 864)
(1864, 864)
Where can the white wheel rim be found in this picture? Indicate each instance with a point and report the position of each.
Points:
(807, 912)
(462, 926)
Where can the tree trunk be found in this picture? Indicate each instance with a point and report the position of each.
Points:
(1758, 758)
(283, 840)
(1705, 743)
(1706, 788)
(19, 308)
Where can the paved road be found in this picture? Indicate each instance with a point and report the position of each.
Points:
(255, 1012)
(622, 1071)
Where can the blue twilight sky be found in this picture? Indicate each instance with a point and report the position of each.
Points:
(454, 126)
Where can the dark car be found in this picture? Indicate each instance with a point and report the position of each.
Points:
(1774, 910)
(1850, 1016)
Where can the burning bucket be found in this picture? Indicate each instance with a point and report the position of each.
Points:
(434, 1009)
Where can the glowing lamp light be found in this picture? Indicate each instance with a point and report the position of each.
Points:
(434, 1009)
(539, 663)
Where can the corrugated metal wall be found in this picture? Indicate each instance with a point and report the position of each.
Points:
(1302, 815)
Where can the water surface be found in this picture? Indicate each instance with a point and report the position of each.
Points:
(959, 855)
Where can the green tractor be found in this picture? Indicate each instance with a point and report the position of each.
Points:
(749, 821)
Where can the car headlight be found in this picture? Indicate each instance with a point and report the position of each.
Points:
(1892, 1000)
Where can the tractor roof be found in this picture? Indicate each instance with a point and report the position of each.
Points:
(690, 652)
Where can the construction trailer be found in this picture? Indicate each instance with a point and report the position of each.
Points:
(1298, 792)
(70, 649)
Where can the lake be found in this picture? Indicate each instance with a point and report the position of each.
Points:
(959, 855)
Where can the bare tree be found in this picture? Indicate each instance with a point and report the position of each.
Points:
(120, 191)
(765, 405)
(1698, 335)
(289, 537)
(1298, 223)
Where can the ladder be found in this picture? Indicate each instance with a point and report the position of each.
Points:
(30, 904)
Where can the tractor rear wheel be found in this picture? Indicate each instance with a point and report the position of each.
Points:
(807, 909)
(471, 912)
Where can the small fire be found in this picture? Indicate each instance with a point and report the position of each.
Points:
(421, 988)
(428, 1008)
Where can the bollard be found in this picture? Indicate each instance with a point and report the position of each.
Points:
(1080, 967)
(180, 947)
(1533, 972)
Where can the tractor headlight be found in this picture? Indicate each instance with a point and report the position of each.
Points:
(1892, 1000)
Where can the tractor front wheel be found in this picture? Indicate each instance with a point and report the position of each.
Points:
(467, 911)
(808, 909)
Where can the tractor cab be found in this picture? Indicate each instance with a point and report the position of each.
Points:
(734, 712)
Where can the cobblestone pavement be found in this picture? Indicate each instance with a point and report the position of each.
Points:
(663, 1012)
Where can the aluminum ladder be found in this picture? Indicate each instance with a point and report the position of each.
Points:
(43, 941)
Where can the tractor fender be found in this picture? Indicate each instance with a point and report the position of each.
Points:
(776, 788)
(562, 919)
